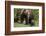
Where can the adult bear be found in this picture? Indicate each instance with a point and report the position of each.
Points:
(30, 17)
(24, 16)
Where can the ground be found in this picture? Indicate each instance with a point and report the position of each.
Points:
(23, 25)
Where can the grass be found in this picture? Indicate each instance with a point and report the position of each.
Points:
(23, 25)
(20, 25)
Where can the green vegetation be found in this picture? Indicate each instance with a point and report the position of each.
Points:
(23, 25)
